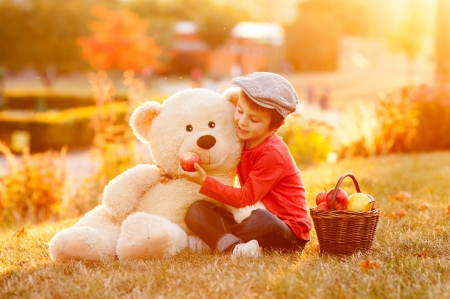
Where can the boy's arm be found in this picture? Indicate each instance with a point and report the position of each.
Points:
(264, 176)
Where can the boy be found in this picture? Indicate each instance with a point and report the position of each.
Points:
(267, 173)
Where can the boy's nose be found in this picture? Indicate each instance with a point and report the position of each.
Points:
(206, 141)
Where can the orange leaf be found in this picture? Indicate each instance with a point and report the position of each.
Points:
(401, 212)
(424, 205)
(368, 264)
(20, 232)
(424, 254)
(391, 215)
(382, 213)
(400, 196)
(448, 210)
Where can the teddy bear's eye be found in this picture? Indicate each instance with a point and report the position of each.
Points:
(212, 124)
(189, 128)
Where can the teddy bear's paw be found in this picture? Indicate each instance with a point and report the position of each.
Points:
(147, 236)
(78, 244)
(196, 244)
(242, 213)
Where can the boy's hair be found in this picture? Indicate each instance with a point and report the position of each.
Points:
(276, 119)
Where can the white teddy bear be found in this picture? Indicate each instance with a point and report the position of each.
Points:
(140, 217)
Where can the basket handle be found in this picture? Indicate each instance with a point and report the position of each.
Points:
(333, 196)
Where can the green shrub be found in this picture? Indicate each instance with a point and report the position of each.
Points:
(43, 102)
(54, 129)
(309, 141)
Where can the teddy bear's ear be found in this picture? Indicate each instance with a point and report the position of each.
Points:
(142, 117)
(232, 94)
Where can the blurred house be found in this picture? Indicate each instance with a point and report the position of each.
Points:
(251, 47)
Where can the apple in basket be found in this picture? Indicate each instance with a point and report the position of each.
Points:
(322, 206)
(372, 200)
(359, 202)
(321, 197)
(188, 159)
(340, 201)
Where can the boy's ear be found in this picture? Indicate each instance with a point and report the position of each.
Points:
(232, 94)
(142, 117)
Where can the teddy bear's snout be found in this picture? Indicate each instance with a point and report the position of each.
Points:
(206, 142)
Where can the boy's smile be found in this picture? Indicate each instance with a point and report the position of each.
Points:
(252, 125)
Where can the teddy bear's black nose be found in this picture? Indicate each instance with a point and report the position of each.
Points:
(206, 141)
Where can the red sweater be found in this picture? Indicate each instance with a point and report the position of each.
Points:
(267, 173)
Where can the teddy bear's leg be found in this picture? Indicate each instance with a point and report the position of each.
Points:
(196, 244)
(146, 236)
(92, 239)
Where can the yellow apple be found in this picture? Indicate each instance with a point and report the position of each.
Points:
(359, 202)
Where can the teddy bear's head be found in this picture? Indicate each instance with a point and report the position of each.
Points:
(196, 120)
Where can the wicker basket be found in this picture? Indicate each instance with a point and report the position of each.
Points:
(343, 232)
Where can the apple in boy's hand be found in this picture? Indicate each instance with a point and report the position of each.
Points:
(340, 201)
(322, 206)
(188, 160)
(372, 200)
(321, 197)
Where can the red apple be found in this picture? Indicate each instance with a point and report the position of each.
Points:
(372, 200)
(188, 160)
(322, 206)
(321, 197)
(340, 201)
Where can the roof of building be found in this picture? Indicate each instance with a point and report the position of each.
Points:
(271, 32)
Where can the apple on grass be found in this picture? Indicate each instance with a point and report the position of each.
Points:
(188, 159)
(359, 202)
(340, 202)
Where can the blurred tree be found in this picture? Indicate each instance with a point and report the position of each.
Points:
(42, 34)
(442, 40)
(119, 41)
(312, 40)
(216, 22)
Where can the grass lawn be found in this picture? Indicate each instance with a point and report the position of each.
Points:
(411, 250)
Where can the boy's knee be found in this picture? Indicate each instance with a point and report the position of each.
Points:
(195, 208)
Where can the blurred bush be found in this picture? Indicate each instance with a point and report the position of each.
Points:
(398, 124)
(432, 106)
(34, 187)
(43, 102)
(418, 120)
(54, 129)
(114, 145)
(309, 141)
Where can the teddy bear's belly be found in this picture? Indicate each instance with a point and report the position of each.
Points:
(171, 200)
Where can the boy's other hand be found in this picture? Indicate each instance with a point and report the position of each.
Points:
(164, 177)
(198, 176)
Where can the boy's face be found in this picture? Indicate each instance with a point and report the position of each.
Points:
(252, 125)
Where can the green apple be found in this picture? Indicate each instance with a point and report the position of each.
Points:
(359, 202)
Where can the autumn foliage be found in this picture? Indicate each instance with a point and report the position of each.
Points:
(118, 40)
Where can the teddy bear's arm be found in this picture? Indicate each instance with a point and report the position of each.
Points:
(124, 191)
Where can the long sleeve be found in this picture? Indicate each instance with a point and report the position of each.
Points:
(263, 176)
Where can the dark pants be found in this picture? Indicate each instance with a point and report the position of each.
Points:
(217, 228)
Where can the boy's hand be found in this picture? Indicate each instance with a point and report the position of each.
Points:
(164, 177)
(198, 176)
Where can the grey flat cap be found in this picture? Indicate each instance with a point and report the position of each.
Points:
(269, 90)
